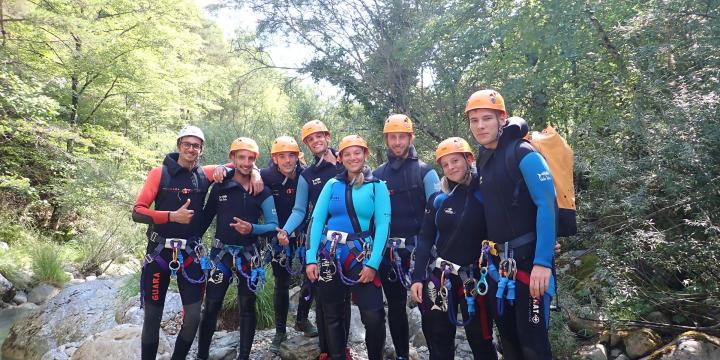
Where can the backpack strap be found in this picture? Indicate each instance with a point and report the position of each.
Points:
(437, 202)
(164, 178)
(353, 215)
(512, 164)
(203, 181)
(484, 157)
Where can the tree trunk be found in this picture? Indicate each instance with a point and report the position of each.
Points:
(74, 94)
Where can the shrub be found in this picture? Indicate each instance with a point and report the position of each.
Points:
(264, 305)
(47, 265)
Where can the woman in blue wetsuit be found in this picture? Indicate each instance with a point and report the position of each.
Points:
(450, 248)
(349, 228)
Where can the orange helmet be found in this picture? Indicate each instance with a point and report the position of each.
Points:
(453, 145)
(312, 127)
(244, 143)
(486, 99)
(284, 144)
(352, 140)
(398, 123)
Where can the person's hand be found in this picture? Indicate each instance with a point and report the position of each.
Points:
(539, 281)
(183, 215)
(219, 174)
(256, 182)
(416, 292)
(311, 270)
(557, 248)
(282, 236)
(241, 226)
(367, 274)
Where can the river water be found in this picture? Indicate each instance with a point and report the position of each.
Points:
(8, 318)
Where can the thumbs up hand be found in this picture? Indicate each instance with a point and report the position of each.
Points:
(241, 226)
(183, 215)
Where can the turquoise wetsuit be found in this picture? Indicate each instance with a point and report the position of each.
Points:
(371, 200)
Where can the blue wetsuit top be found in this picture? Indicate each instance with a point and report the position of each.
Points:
(371, 202)
(539, 182)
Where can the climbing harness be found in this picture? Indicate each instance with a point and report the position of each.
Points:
(359, 250)
(469, 285)
(254, 276)
(197, 254)
(394, 244)
(284, 256)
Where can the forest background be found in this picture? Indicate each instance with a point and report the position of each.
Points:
(93, 91)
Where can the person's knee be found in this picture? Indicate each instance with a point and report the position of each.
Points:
(282, 285)
(153, 313)
(246, 304)
(282, 279)
(397, 302)
(191, 320)
(151, 323)
(373, 317)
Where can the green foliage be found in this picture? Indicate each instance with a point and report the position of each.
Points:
(562, 340)
(108, 241)
(47, 265)
(130, 288)
(633, 92)
(24, 97)
(264, 305)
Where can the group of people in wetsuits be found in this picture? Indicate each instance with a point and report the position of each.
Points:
(475, 243)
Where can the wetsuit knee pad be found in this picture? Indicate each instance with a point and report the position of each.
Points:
(151, 323)
(373, 318)
(281, 275)
(191, 320)
(246, 303)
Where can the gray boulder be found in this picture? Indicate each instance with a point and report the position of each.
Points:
(20, 298)
(417, 338)
(7, 290)
(121, 342)
(690, 346)
(42, 293)
(62, 352)
(592, 352)
(131, 313)
(300, 348)
(76, 313)
(223, 346)
(641, 342)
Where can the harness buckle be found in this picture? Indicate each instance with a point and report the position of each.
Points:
(337, 237)
(154, 236)
(441, 264)
(201, 250)
(396, 242)
(175, 243)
